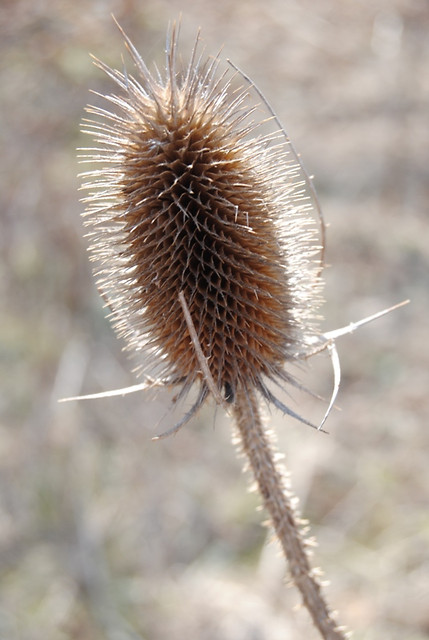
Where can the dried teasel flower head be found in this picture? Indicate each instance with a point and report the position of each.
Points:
(194, 196)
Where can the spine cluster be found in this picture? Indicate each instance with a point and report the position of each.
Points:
(191, 197)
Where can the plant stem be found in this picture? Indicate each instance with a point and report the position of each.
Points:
(257, 444)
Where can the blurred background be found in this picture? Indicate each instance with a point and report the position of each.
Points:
(105, 534)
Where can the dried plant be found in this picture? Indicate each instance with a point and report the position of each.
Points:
(190, 199)
(209, 257)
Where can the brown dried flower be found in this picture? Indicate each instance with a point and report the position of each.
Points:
(192, 196)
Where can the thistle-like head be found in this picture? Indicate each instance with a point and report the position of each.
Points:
(190, 195)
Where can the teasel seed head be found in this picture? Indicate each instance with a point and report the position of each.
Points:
(192, 196)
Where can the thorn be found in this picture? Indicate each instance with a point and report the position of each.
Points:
(337, 333)
(117, 392)
(200, 355)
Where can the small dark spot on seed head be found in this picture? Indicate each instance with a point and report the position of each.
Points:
(229, 392)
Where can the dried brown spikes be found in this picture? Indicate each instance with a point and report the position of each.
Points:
(191, 198)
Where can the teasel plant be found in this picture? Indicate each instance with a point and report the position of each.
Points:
(208, 240)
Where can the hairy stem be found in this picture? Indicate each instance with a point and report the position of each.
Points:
(272, 485)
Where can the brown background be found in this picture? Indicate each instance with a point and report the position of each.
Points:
(105, 534)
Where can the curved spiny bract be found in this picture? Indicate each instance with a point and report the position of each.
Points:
(192, 197)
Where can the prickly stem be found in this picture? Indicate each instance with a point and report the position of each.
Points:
(257, 445)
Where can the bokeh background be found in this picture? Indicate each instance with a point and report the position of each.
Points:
(105, 534)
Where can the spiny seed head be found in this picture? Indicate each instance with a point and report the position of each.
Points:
(192, 197)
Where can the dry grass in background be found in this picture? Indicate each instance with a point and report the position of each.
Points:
(105, 534)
